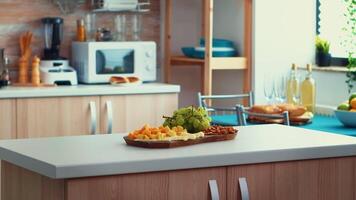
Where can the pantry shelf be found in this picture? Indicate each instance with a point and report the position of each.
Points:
(183, 60)
(209, 63)
(232, 63)
(217, 63)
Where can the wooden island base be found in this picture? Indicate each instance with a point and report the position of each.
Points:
(321, 179)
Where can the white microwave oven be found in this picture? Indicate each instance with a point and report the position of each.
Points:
(96, 62)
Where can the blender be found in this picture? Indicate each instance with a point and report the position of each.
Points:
(55, 69)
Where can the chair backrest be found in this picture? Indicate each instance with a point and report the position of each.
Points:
(241, 116)
(202, 101)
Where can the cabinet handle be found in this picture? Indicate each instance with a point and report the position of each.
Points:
(214, 191)
(244, 189)
(109, 112)
(92, 108)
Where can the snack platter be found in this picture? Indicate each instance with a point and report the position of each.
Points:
(181, 137)
(178, 143)
(188, 126)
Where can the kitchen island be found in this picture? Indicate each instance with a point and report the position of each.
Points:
(263, 162)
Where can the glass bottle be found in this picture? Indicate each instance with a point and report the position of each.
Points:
(136, 26)
(90, 27)
(293, 86)
(120, 26)
(308, 91)
(81, 32)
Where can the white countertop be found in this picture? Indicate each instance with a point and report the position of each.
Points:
(86, 90)
(97, 155)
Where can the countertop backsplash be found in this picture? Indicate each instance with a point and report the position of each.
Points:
(18, 16)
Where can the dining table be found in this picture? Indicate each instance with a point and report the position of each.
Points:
(329, 124)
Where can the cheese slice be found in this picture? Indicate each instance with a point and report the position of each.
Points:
(184, 137)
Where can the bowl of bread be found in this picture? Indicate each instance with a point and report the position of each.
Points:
(298, 115)
(125, 81)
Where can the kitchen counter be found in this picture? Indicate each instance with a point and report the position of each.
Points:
(86, 90)
(98, 155)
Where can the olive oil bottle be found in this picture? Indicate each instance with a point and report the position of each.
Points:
(293, 86)
(307, 89)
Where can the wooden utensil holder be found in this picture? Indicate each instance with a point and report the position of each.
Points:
(23, 71)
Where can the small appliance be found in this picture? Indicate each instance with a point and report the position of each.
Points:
(55, 69)
(96, 62)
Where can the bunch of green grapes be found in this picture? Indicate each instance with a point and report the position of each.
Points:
(190, 118)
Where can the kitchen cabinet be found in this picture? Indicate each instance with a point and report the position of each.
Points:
(7, 120)
(129, 112)
(48, 117)
(83, 109)
(194, 184)
(297, 180)
(63, 116)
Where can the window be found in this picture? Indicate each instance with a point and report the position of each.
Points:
(330, 24)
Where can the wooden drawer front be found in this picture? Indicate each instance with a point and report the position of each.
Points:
(325, 179)
(47, 117)
(150, 186)
(172, 185)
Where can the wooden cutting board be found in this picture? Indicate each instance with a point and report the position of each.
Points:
(179, 143)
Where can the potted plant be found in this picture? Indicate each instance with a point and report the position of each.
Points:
(351, 73)
(350, 43)
(323, 57)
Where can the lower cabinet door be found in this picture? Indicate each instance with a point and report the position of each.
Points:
(324, 179)
(7, 121)
(124, 113)
(148, 186)
(60, 116)
(258, 179)
(194, 184)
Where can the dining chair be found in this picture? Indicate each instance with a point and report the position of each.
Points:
(242, 113)
(202, 101)
(218, 113)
